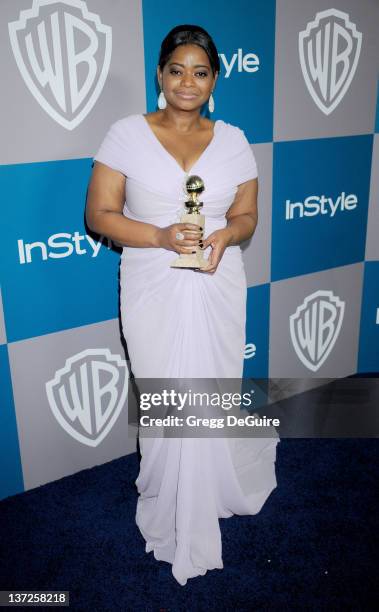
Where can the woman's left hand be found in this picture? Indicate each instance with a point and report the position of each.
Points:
(218, 240)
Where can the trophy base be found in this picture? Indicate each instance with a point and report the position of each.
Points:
(192, 262)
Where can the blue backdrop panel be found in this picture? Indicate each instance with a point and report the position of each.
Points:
(369, 330)
(257, 331)
(11, 481)
(320, 201)
(66, 276)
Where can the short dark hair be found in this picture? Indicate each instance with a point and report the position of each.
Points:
(189, 35)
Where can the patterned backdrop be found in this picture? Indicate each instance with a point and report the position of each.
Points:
(300, 78)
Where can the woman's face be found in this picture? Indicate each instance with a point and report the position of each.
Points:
(187, 79)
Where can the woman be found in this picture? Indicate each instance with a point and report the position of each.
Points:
(184, 323)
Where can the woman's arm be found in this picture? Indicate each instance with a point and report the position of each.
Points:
(242, 219)
(104, 215)
(242, 216)
(105, 203)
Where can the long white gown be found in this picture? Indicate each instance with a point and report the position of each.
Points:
(184, 324)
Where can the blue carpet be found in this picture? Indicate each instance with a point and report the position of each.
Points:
(313, 546)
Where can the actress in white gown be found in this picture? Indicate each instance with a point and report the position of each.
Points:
(187, 324)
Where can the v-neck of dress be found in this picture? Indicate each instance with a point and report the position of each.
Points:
(170, 156)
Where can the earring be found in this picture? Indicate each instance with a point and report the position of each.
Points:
(162, 101)
(211, 104)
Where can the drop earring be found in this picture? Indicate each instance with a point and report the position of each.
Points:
(211, 104)
(162, 103)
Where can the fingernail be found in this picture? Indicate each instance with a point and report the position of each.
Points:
(193, 252)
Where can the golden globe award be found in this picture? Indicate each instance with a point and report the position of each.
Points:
(194, 187)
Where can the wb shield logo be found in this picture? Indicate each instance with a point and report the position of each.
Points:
(88, 394)
(63, 53)
(329, 50)
(315, 327)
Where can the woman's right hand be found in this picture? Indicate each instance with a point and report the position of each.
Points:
(192, 233)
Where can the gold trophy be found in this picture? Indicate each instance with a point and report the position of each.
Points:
(194, 187)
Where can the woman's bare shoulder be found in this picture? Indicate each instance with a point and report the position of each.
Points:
(208, 123)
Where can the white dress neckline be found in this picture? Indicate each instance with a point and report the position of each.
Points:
(199, 159)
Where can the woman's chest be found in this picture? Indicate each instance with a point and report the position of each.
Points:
(186, 149)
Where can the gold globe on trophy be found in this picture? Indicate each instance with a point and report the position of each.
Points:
(194, 186)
